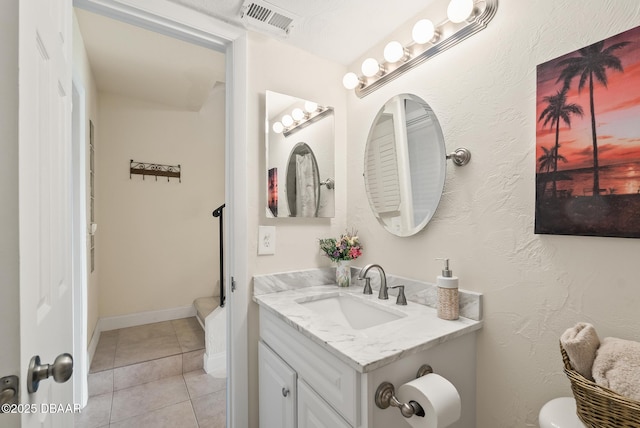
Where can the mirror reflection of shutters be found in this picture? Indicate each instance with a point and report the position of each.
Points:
(381, 168)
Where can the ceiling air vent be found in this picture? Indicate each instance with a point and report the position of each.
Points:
(264, 16)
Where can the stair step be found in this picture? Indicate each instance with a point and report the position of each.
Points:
(204, 306)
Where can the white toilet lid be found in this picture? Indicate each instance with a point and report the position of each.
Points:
(560, 413)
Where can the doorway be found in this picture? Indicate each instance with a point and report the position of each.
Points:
(179, 22)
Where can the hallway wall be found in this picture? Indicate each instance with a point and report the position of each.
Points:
(158, 240)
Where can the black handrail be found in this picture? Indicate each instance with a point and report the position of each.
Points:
(218, 213)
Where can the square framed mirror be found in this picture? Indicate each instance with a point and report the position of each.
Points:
(300, 157)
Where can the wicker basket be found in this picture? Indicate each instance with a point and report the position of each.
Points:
(600, 407)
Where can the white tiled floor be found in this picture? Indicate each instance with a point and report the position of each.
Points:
(151, 376)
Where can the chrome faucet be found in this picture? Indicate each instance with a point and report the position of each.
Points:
(383, 294)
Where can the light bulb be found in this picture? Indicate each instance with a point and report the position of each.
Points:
(277, 128)
(459, 10)
(297, 114)
(287, 120)
(310, 106)
(370, 67)
(350, 80)
(394, 52)
(423, 31)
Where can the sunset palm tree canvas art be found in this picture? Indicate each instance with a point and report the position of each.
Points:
(588, 140)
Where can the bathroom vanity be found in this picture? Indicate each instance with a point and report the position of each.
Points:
(324, 351)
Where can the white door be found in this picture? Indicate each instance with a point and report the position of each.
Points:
(46, 328)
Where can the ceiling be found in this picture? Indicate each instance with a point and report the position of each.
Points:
(339, 30)
(142, 64)
(132, 61)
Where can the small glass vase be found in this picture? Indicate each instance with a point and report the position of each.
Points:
(343, 273)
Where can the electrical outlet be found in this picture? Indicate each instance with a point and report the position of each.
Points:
(266, 240)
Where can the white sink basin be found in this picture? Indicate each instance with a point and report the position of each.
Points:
(349, 311)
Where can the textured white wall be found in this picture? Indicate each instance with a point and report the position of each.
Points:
(483, 92)
(158, 241)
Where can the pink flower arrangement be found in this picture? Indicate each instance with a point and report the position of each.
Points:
(347, 247)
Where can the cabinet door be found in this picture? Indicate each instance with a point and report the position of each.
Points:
(277, 390)
(314, 412)
(331, 378)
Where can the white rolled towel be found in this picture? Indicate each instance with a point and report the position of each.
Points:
(581, 343)
(617, 366)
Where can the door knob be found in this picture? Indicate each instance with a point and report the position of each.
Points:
(61, 370)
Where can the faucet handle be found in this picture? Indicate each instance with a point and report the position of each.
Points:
(367, 286)
(401, 300)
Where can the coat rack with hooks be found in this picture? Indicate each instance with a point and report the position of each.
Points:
(157, 170)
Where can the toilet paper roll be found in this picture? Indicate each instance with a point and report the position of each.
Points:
(437, 396)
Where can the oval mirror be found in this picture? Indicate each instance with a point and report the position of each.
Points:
(302, 182)
(404, 165)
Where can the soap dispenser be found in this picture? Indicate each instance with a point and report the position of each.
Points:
(448, 300)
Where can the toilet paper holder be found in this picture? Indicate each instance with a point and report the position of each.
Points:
(385, 396)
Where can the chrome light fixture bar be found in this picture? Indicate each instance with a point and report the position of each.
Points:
(314, 117)
(465, 18)
(298, 122)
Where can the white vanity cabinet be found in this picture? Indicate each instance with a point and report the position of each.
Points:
(327, 389)
(307, 384)
(288, 402)
(278, 390)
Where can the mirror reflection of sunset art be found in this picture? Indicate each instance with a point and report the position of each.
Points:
(588, 140)
(272, 197)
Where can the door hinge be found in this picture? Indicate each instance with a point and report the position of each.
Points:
(233, 284)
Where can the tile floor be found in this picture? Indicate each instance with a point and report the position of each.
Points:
(151, 376)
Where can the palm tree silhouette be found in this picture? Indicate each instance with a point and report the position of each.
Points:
(546, 160)
(557, 109)
(592, 62)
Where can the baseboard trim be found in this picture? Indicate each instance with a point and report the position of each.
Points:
(93, 344)
(132, 320)
(141, 318)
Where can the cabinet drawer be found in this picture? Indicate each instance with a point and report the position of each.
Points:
(332, 379)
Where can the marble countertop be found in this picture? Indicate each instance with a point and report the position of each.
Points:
(367, 349)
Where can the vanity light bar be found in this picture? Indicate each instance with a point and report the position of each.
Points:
(307, 120)
(465, 18)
